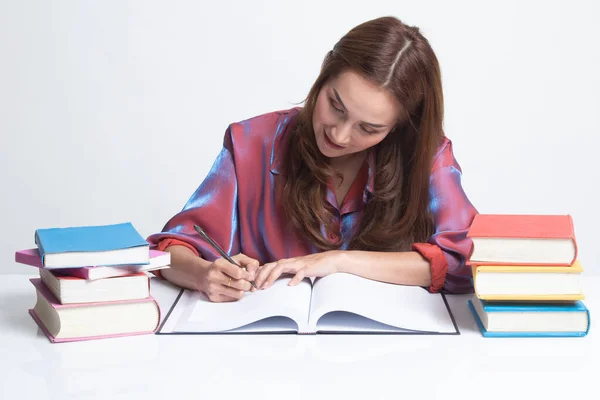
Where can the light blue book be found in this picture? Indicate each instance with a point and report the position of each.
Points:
(508, 319)
(83, 246)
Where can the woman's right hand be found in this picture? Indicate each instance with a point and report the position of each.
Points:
(223, 282)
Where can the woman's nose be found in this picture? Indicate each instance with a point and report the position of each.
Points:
(341, 134)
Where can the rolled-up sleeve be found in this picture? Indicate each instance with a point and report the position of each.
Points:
(213, 207)
(448, 248)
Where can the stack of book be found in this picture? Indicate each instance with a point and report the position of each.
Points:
(526, 276)
(93, 282)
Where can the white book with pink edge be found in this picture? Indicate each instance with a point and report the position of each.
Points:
(89, 321)
(158, 260)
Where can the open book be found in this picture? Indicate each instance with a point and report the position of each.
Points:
(337, 303)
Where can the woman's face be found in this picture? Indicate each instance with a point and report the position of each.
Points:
(352, 115)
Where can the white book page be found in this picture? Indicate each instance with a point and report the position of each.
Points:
(195, 313)
(132, 255)
(527, 283)
(339, 321)
(271, 324)
(523, 250)
(393, 307)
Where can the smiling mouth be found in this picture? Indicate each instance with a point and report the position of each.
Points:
(330, 143)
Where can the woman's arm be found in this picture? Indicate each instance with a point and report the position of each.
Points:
(449, 247)
(195, 264)
(186, 267)
(402, 268)
(213, 206)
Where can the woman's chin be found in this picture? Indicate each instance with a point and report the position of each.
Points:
(326, 151)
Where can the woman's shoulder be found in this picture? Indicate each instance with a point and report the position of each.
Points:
(444, 156)
(271, 116)
(262, 127)
(260, 137)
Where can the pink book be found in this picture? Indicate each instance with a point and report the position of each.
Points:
(158, 260)
(90, 321)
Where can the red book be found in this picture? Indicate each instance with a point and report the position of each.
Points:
(505, 239)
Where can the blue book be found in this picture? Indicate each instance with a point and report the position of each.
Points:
(508, 319)
(72, 247)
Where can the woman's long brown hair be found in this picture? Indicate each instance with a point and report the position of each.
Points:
(396, 56)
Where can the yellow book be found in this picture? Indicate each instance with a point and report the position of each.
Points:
(528, 283)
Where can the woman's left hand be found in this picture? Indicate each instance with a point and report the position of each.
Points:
(312, 265)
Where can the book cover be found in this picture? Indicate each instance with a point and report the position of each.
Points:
(498, 306)
(99, 240)
(88, 238)
(522, 226)
(501, 307)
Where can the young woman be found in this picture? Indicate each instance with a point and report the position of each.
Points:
(360, 180)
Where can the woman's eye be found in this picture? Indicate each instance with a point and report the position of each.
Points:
(366, 130)
(338, 110)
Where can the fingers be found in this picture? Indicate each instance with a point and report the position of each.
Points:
(275, 273)
(226, 281)
(240, 284)
(250, 264)
(269, 272)
(232, 270)
(263, 274)
(215, 288)
(297, 278)
(229, 275)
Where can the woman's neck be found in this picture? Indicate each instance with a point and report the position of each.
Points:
(347, 163)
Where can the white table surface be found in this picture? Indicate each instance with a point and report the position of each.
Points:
(465, 366)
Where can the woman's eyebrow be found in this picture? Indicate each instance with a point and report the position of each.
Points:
(339, 99)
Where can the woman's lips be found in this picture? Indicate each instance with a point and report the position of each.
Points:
(330, 143)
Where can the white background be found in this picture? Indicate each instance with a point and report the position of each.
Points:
(114, 111)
